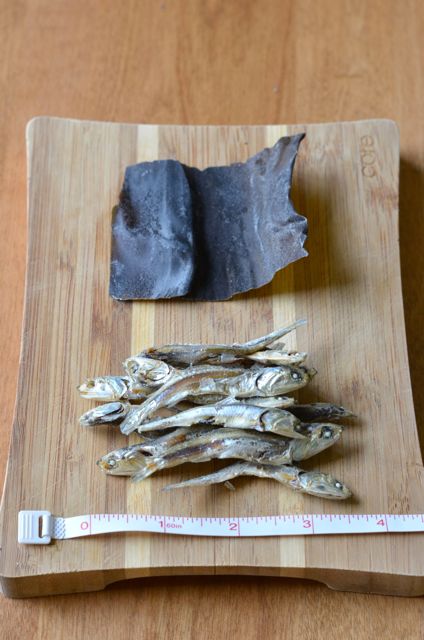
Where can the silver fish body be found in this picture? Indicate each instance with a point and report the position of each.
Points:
(261, 382)
(159, 445)
(270, 402)
(218, 443)
(231, 414)
(189, 354)
(316, 438)
(315, 483)
(269, 449)
(190, 382)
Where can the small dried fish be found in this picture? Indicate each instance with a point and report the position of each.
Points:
(216, 443)
(105, 414)
(319, 411)
(189, 354)
(314, 483)
(316, 438)
(269, 381)
(191, 382)
(113, 388)
(233, 414)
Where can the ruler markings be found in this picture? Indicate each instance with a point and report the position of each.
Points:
(30, 523)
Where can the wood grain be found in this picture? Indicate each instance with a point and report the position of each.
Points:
(211, 63)
(346, 183)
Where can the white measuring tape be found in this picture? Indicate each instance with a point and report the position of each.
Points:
(40, 527)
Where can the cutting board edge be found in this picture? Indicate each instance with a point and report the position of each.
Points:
(349, 580)
(35, 119)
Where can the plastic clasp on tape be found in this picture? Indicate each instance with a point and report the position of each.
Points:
(35, 527)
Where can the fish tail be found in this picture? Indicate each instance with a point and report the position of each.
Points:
(273, 336)
(348, 414)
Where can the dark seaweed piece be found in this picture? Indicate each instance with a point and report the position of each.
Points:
(152, 248)
(205, 235)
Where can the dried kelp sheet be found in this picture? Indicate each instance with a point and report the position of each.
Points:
(205, 235)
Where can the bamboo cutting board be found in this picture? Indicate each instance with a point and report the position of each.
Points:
(349, 289)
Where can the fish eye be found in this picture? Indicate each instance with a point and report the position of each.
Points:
(111, 462)
(338, 485)
(295, 376)
(327, 433)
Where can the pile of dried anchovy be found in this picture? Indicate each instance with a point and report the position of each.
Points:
(196, 402)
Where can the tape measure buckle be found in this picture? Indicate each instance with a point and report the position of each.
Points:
(35, 527)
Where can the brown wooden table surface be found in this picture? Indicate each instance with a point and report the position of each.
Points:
(209, 62)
